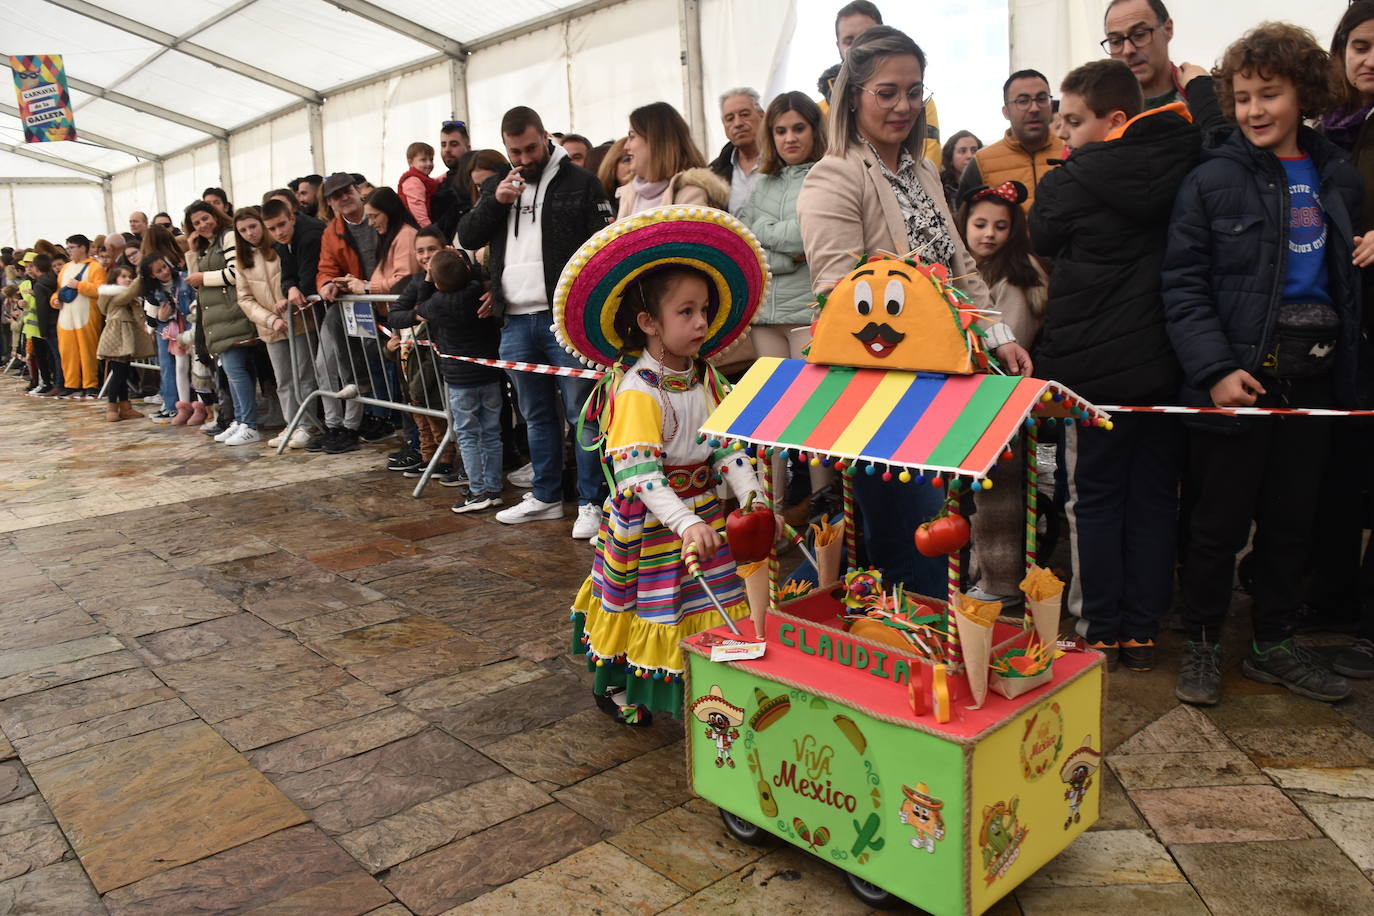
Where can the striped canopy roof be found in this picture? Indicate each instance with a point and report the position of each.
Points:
(922, 421)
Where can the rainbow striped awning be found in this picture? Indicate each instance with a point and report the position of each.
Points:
(956, 424)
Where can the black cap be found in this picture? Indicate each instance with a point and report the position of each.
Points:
(336, 183)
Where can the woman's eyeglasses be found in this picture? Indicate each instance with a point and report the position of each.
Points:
(887, 97)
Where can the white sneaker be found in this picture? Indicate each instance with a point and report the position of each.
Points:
(522, 477)
(530, 509)
(153, 399)
(588, 522)
(298, 439)
(274, 441)
(229, 431)
(246, 435)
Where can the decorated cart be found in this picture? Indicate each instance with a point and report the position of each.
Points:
(932, 749)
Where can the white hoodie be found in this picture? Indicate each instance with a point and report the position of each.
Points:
(522, 277)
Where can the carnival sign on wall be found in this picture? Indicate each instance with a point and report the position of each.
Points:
(45, 105)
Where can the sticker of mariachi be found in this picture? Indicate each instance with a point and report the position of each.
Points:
(1077, 773)
(722, 719)
(921, 812)
(1000, 838)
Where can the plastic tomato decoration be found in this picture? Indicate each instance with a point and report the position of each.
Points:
(749, 532)
(942, 535)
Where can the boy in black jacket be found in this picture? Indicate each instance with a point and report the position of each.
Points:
(1263, 307)
(1102, 217)
(474, 390)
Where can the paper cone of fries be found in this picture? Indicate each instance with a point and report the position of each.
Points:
(755, 576)
(1044, 604)
(974, 620)
(829, 541)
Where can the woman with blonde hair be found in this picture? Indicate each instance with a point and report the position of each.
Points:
(617, 168)
(669, 169)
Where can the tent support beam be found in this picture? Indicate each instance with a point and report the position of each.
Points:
(408, 27)
(314, 117)
(458, 90)
(53, 160)
(107, 190)
(689, 29)
(160, 185)
(543, 22)
(156, 111)
(95, 138)
(182, 44)
(50, 182)
(226, 174)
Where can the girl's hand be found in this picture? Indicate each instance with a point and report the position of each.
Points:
(705, 538)
(164, 312)
(195, 279)
(280, 307)
(1015, 359)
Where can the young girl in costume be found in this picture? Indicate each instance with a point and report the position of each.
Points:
(994, 229)
(652, 301)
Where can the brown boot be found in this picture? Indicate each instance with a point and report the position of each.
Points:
(127, 412)
(112, 412)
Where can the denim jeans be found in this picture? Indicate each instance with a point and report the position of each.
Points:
(477, 424)
(529, 338)
(237, 363)
(167, 371)
(890, 513)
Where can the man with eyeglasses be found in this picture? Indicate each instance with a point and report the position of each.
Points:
(1138, 34)
(1025, 152)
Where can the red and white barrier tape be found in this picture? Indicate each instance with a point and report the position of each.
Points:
(1241, 411)
(538, 368)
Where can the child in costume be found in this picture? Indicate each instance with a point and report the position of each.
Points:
(652, 298)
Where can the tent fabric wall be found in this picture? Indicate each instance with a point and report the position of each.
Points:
(52, 213)
(1054, 36)
(135, 189)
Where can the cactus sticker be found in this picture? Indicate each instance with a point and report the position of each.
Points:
(1000, 838)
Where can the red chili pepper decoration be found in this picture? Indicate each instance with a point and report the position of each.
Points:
(749, 532)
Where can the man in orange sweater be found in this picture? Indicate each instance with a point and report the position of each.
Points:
(79, 322)
(1025, 152)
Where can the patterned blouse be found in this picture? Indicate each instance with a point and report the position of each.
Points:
(925, 227)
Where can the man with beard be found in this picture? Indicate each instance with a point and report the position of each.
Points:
(741, 113)
(535, 218)
(448, 204)
(1025, 152)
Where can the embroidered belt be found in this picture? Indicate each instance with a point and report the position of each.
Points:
(689, 479)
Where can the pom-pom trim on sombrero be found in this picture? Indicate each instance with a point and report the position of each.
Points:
(588, 293)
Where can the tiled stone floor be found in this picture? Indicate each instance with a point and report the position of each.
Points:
(231, 682)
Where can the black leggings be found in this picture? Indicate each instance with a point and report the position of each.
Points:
(118, 388)
(42, 358)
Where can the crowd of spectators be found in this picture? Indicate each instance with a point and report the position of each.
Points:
(1151, 233)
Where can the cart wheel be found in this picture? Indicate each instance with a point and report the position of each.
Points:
(743, 830)
(871, 894)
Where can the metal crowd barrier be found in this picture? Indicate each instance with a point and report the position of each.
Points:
(134, 364)
(364, 371)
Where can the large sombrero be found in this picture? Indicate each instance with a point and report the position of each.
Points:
(1083, 756)
(588, 294)
(715, 701)
(921, 796)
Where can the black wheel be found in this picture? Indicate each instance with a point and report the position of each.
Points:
(871, 894)
(743, 830)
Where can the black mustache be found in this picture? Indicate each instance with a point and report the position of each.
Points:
(885, 332)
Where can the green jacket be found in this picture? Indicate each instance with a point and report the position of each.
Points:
(771, 214)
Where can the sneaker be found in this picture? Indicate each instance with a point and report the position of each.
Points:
(73, 394)
(1138, 654)
(34, 391)
(404, 460)
(522, 477)
(244, 435)
(375, 429)
(1297, 668)
(530, 509)
(1199, 674)
(228, 432)
(274, 441)
(1009, 602)
(299, 439)
(56, 392)
(1112, 650)
(162, 417)
(345, 440)
(153, 399)
(453, 478)
(588, 522)
(321, 439)
(1356, 659)
(440, 471)
(473, 503)
(92, 394)
(218, 428)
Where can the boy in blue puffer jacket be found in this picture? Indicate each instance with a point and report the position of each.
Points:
(1262, 303)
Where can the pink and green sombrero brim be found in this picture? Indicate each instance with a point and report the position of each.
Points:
(713, 241)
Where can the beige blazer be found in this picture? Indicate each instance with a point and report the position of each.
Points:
(847, 208)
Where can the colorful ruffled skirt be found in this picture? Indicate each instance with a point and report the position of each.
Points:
(639, 602)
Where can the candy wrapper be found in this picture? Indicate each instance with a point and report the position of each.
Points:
(829, 542)
(974, 620)
(1044, 603)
